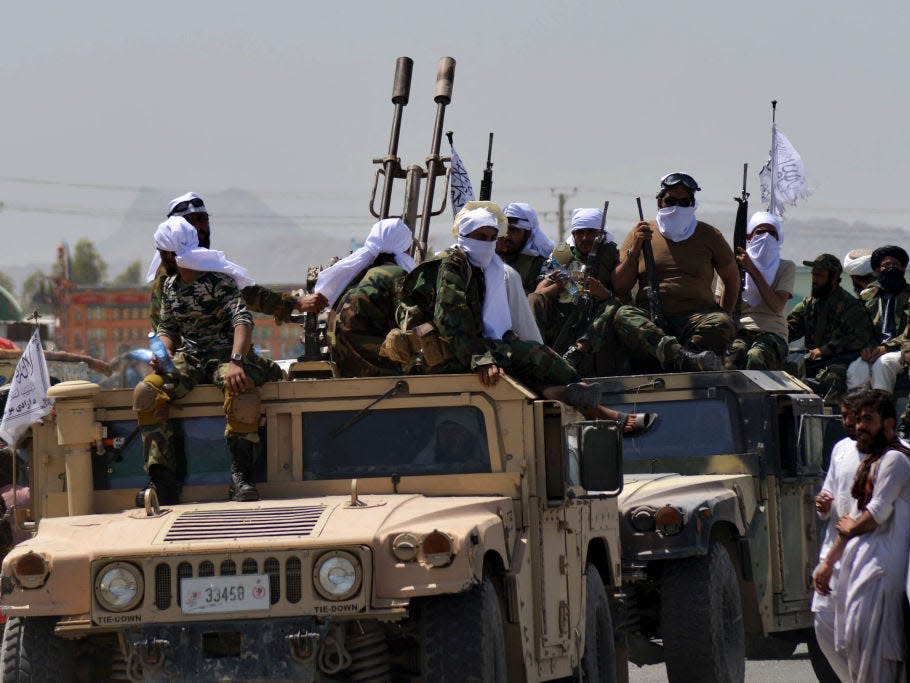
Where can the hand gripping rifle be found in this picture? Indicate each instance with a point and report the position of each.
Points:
(657, 313)
(739, 239)
(486, 185)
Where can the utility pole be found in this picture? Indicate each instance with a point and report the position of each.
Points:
(561, 198)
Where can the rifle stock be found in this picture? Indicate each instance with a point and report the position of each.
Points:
(656, 310)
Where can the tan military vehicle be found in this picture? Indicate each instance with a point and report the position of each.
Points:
(717, 515)
(426, 528)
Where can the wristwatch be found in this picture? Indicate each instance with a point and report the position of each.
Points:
(237, 358)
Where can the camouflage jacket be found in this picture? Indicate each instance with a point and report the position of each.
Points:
(449, 291)
(264, 300)
(155, 301)
(874, 301)
(361, 319)
(203, 313)
(838, 324)
(528, 267)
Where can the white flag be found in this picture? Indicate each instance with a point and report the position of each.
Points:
(789, 183)
(459, 184)
(27, 401)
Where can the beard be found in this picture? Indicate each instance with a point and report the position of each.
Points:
(821, 291)
(870, 443)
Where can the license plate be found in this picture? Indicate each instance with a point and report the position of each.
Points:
(213, 594)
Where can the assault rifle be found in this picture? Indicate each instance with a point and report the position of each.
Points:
(739, 239)
(656, 310)
(486, 185)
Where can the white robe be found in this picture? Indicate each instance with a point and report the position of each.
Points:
(869, 627)
(523, 322)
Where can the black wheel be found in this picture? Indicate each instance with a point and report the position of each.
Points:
(31, 653)
(462, 637)
(599, 660)
(702, 620)
(769, 647)
(820, 666)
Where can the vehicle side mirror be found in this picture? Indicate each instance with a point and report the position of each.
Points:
(599, 450)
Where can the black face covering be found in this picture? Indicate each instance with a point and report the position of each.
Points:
(891, 280)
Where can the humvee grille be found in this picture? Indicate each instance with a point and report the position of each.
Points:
(200, 525)
(250, 565)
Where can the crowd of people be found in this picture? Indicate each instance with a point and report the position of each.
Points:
(504, 299)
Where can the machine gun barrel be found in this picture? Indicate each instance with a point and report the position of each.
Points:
(444, 78)
(391, 164)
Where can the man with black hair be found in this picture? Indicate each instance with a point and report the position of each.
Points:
(872, 546)
(835, 325)
(887, 300)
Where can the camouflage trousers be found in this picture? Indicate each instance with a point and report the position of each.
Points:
(700, 331)
(154, 394)
(829, 375)
(534, 364)
(755, 350)
(355, 352)
(550, 315)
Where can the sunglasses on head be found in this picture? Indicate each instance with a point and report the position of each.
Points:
(673, 201)
(183, 206)
(685, 179)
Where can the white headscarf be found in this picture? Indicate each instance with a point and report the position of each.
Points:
(764, 251)
(189, 209)
(496, 318)
(677, 223)
(858, 262)
(388, 236)
(537, 243)
(588, 219)
(178, 236)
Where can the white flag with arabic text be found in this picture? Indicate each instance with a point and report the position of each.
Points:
(459, 184)
(789, 182)
(27, 401)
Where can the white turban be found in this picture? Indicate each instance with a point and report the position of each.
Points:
(178, 236)
(388, 236)
(525, 217)
(194, 205)
(588, 219)
(764, 250)
(858, 262)
(496, 318)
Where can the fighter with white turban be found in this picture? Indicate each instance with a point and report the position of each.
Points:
(524, 246)
(207, 329)
(858, 265)
(457, 320)
(761, 342)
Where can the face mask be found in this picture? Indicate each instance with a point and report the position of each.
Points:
(676, 223)
(763, 249)
(891, 280)
(479, 252)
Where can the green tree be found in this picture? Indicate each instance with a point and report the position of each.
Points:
(37, 292)
(86, 265)
(7, 283)
(131, 276)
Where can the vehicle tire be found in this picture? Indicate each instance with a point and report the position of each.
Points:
(820, 666)
(31, 653)
(462, 637)
(599, 660)
(702, 620)
(769, 647)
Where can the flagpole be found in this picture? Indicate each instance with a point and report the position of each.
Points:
(772, 206)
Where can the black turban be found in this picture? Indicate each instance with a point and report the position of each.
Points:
(896, 252)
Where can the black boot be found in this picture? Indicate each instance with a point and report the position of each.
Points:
(689, 361)
(242, 458)
(166, 486)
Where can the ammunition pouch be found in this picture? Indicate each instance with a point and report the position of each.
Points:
(404, 346)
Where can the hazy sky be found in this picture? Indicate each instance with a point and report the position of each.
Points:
(290, 100)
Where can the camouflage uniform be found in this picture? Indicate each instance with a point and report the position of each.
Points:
(873, 300)
(448, 291)
(528, 266)
(203, 314)
(361, 319)
(755, 350)
(155, 301)
(265, 300)
(839, 325)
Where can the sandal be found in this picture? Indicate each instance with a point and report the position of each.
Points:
(583, 396)
(641, 423)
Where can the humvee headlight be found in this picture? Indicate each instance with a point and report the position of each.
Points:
(437, 549)
(668, 520)
(337, 575)
(642, 520)
(31, 570)
(405, 546)
(118, 587)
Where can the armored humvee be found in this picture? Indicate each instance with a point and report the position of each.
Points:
(717, 517)
(389, 545)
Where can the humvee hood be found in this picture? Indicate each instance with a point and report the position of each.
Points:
(657, 490)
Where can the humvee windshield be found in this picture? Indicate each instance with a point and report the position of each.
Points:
(699, 426)
(404, 441)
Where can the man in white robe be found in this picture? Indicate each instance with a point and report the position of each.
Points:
(872, 545)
